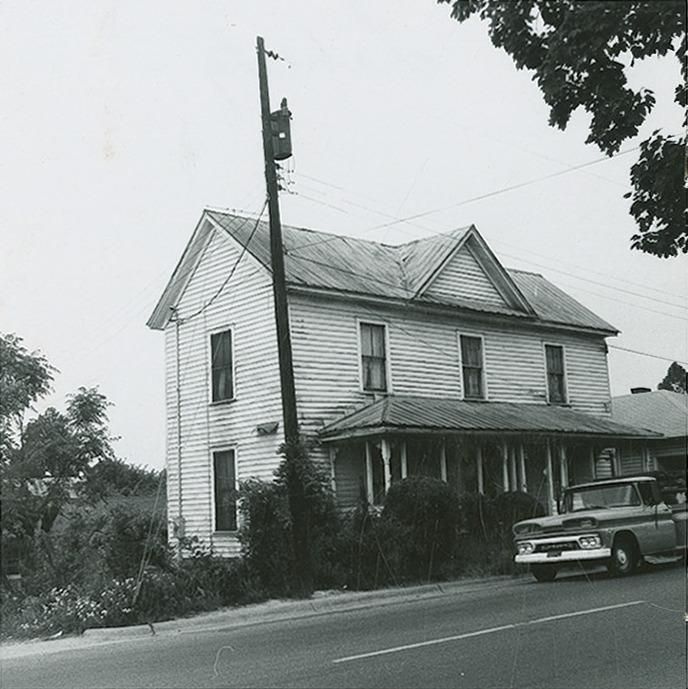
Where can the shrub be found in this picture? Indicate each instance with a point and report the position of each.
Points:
(124, 538)
(420, 521)
(267, 533)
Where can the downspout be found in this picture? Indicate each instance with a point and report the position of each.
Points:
(180, 518)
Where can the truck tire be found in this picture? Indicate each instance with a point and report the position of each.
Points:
(624, 557)
(544, 573)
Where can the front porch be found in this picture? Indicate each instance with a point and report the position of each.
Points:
(487, 448)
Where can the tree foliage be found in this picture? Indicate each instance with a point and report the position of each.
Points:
(579, 53)
(56, 456)
(675, 380)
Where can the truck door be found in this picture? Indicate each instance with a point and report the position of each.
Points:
(658, 533)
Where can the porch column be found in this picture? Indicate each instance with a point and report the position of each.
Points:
(333, 457)
(479, 464)
(550, 478)
(563, 466)
(522, 467)
(592, 462)
(386, 460)
(443, 460)
(512, 468)
(505, 467)
(404, 460)
(647, 464)
(369, 474)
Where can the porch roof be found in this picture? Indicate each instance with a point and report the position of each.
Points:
(428, 415)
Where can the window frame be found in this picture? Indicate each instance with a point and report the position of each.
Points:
(217, 331)
(479, 336)
(565, 374)
(213, 452)
(388, 366)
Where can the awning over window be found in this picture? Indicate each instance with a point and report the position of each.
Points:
(428, 415)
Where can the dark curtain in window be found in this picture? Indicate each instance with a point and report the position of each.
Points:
(225, 491)
(472, 365)
(221, 355)
(555, 373)
(373, 353)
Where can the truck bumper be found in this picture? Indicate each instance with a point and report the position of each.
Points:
(565, 556)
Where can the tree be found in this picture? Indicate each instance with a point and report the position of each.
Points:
(579, 53)
(676, 379)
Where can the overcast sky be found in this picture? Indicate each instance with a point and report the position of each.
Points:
(122, 120)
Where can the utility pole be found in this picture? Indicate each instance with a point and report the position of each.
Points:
(275, 135)
(279, 285)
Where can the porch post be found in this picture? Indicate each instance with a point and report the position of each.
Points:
(443, 459)
(369, 474)
(512, 467)
(505, 466)
(563, 466)
(522, 467)
(592, 462)
(386, 459)
(333, 457)
(550, 478)
(479, 463)
(404, 461)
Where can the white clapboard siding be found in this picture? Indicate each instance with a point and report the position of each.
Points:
(244, 304)
(424, 359)
(464, 278)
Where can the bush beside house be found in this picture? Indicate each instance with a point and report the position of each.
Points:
(112, 567)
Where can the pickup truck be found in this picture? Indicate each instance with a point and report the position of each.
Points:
(616, 522)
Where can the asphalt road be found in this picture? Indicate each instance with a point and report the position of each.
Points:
(586, 631)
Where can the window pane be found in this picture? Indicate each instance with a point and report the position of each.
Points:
(555, 359)
(473, 382)
(556, 387)
(372, 340)
(225, 491)
(221, 365)
(471, 351)
(373, 357)
(374, 374)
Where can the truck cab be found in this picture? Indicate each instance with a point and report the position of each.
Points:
(616, 522)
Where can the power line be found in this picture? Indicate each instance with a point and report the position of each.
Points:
(652, 356)
(504, 190)
(231, 272)
(597, 282)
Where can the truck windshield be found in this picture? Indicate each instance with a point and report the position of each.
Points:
(601, 497)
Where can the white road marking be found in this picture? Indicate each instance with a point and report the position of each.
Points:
(481, 632)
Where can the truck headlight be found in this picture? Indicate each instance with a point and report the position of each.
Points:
(590, 542)
(524, 547)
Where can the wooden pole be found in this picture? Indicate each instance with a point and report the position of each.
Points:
(404, 460)
(386, 462)
(369, 474)
(479, 463)
(550, 478)
(298, 507)
(505, 466)
(279, 285)
(443, 460)
(522, 467)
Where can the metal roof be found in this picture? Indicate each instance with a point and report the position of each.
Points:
(401, 413)
(361, 267)
(661, 410)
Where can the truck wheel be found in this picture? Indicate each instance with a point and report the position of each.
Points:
(624, 558)
(544, 573)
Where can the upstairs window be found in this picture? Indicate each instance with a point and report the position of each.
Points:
(222, 366)
(373, 357)
(224, 473)
(472, 367)
(556, 375)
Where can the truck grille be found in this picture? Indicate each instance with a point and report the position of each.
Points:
(556, 547)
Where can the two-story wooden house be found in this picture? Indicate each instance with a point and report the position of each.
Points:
(428, 357)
